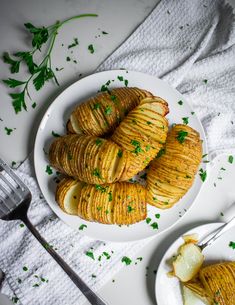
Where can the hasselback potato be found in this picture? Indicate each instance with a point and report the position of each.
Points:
(88, 158)
(142, 133)
(102, 113)
(117, 203)
(171, 175)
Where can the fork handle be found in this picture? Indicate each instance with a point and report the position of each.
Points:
(92, 297)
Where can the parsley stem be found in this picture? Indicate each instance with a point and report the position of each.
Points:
(76, 17)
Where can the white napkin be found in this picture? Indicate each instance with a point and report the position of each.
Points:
(190, 44)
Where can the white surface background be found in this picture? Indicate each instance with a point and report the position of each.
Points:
(119, 19)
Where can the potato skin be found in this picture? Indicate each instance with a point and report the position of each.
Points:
(101, 114)
(142, 133)
(88, 158)
(171, 175)
(118, 203)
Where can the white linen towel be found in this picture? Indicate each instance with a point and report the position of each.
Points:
(191, 45)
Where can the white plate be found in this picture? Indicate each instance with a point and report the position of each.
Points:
(55, 119)
(167, 289)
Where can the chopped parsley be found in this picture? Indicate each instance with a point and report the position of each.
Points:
(137, 149)
(230, 159)
(157, 216)
(49, 170)
(93, 276)
(101, 188)
(104, 33)
(25, 268)
(130, 209)
(232, 245)
(154, 225)
(205, 81)
(181, 136)
(148, 220)
(119, 153)
(147, 148)
(96, 106)
(160, 153)
(56, 135)
(68, 58)
(185, 120)
(180, 103)
(74, 44)
(108, 110)
(34, 105)
(126, 82)
(13, 163)
(91, 48)
(120, 78)
(96, 173)
(15, 299)
(108, 256)
(98, 142)
(110, 196)
(82, 226)
(8, 131)
(202, 174)
(126, 260)
(148, 123)
(21, 225)
(90, 254)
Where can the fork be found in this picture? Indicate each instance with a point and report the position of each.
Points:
(15, 198)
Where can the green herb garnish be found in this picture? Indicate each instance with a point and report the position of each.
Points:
(185, 120)
(110, 196)
(160, 153)
(126, 260)
(96, 172)
(232, 245)
(157, 216)
(49, 170)
(147, 148)
(205, 81)
(148, 220)
(74, 44)
(82, 226)
(98, 142)
(104, 33)
(137, 149)
(119, 153)
(130, 208)
(91, 48)
(154, 225)
(108, 110)
(180, 103)
(39, 73)
(8, 131)
(90, 254)
(230, 159)
(120, 78)
(25, 268)
(202, 174)
(101, 188)
(56, 135)
(181, 136)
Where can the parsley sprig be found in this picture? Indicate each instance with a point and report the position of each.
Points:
(39, 73)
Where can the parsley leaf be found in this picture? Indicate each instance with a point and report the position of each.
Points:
(137, 149)
(82, 226)
(91, 48)
(18, 101)
(202, 174)
(40, 35)
(232, 245)
(160, 153)
(8, 131)
(185, 120)
(126, 260)
(119, 153)
(154, 225)
(110, 196)
(12, 83)
(101, 188)
(90, 254)
(56, 135)
(49, 170)
(181, 136)
(14, 65)
(96, 172)
(98, 142)
(230, 159)
(180, 103)
(27, 57)
(108, 110)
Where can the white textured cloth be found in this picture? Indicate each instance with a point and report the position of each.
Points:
(191, 45)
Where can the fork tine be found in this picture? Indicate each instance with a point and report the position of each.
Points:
(3, 207)
(8, 198)
(7, 182)
(10, 172)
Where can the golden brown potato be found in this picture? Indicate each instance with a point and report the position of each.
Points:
(88, 158)
(172, 174)
(102, 113)
(219, 282)
(142, 133)
(118, 203)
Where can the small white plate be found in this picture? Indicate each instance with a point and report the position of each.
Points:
(55, 119)
(167, 289)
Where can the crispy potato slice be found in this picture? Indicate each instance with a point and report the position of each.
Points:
(118, 203)
(172, 174)
(102, 113)
(88, 158)
(219, 282)
(142, 133)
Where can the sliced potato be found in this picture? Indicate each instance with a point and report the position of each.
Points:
(102, 113)
(117, 203)
(172, 173)
(188, 262)
(142, 133)
(192, 298)
(88, 158)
